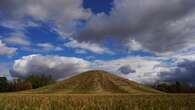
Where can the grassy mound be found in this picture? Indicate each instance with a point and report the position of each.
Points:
(96, 82)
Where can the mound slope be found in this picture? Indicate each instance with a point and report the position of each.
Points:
(96, 82)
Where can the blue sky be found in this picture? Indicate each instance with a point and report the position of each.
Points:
(97, 6)
(151, 39)
(44, 33)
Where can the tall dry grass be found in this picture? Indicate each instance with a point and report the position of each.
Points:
(96, 102)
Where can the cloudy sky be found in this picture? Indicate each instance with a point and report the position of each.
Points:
(142, 40)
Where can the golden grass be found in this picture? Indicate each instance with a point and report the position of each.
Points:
(96, 102)
(95, 90)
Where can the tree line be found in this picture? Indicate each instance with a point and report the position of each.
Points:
(31, 82)
(175, 87)
(37, 81)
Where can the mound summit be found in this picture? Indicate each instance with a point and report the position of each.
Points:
(96, 82)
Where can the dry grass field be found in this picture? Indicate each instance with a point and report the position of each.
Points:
(95, 90)
(96, 102)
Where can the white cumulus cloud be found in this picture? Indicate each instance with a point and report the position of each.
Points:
(159, 26)
(92, 47)
(18, 39)
(140, 69)
(56, 66)
(5, 50)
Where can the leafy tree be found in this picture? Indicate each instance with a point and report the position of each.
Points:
(176, 87)
(3, 84)
(31, 82)
(39, 80)
(19, 85)
(15, 85)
